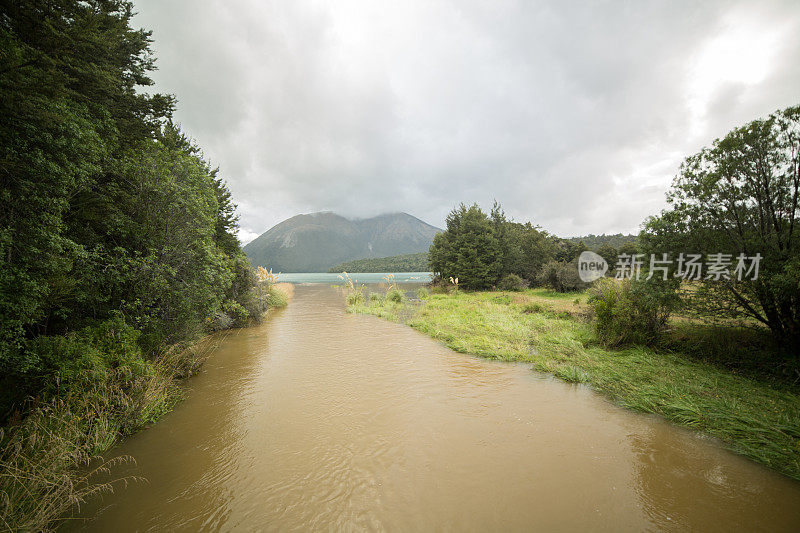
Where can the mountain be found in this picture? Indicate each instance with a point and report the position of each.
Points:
(316, 242)
(396, 263)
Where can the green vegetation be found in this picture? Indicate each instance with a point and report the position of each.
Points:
(44, 457)
(741, 197)
(561, 276)
(483, 250)
(755, 411)
(726, 364)
(511, 282)
(596, 242)
(118, 249)
(733, 210)
(396, 263)
(631, 311)
(395, 295)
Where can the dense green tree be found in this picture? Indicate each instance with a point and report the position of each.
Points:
(467, 249)
(629, 248)
(569, 250)
(594, 242)
(537, 247)
(609, 253)
(509, 249)
(480, 250)
(108, 210)
(741, 197)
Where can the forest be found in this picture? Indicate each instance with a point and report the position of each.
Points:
(118, 247)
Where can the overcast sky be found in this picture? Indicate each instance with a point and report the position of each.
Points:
(573, 117)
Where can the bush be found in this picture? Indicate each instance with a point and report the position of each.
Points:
(395, 295)
(219, 320)
(422, 293)
(355, 298)
(531, 308)
(511, 282)
(632, 311)
(238, 314)
(561, 277)
(374, 297)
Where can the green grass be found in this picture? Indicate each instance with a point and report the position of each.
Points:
(754, 415)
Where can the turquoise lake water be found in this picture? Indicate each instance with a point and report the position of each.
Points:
(364, 277)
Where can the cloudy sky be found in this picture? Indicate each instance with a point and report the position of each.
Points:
(573, 116)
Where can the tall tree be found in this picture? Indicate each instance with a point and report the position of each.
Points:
(740, 197)
(467, 249)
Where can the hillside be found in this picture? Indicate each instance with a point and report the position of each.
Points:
(396, 263)
(318, 241)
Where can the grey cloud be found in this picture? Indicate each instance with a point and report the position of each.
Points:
(574, 116)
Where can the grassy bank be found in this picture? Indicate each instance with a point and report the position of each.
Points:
(44, 454)
(754, 414)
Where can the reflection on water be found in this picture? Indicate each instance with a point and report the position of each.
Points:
(322, 420)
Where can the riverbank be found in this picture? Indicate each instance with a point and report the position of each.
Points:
(44, 455)
(758, 417)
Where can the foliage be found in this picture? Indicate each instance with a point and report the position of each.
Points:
(569, 250)
(610, 254)
(632, 311)
(479, 249)
(561, 277)
(753, 415)
(44, 458)
(596, 242)
(422, 293)
(532, 307)
(467, 249)
(108, 210)
(117, 243)
(355, 298)
(396, 263)
(741, 196)
(511, 282)
(395, 295)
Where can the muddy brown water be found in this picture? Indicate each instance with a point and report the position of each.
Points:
(320, 420)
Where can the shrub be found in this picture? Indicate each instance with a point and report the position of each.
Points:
(511, 282)
(238, 314)
(532, 308)
(254, 301)
(632, 311)
(374, 297)
(219, 320)
(395, 295)
(79, 359)
(561, 277)
(440, 286)
(422, 293)
(548, 277)
(355, 298)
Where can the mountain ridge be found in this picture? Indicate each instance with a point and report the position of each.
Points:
(315, 242)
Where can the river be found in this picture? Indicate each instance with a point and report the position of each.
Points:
(321, 420)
